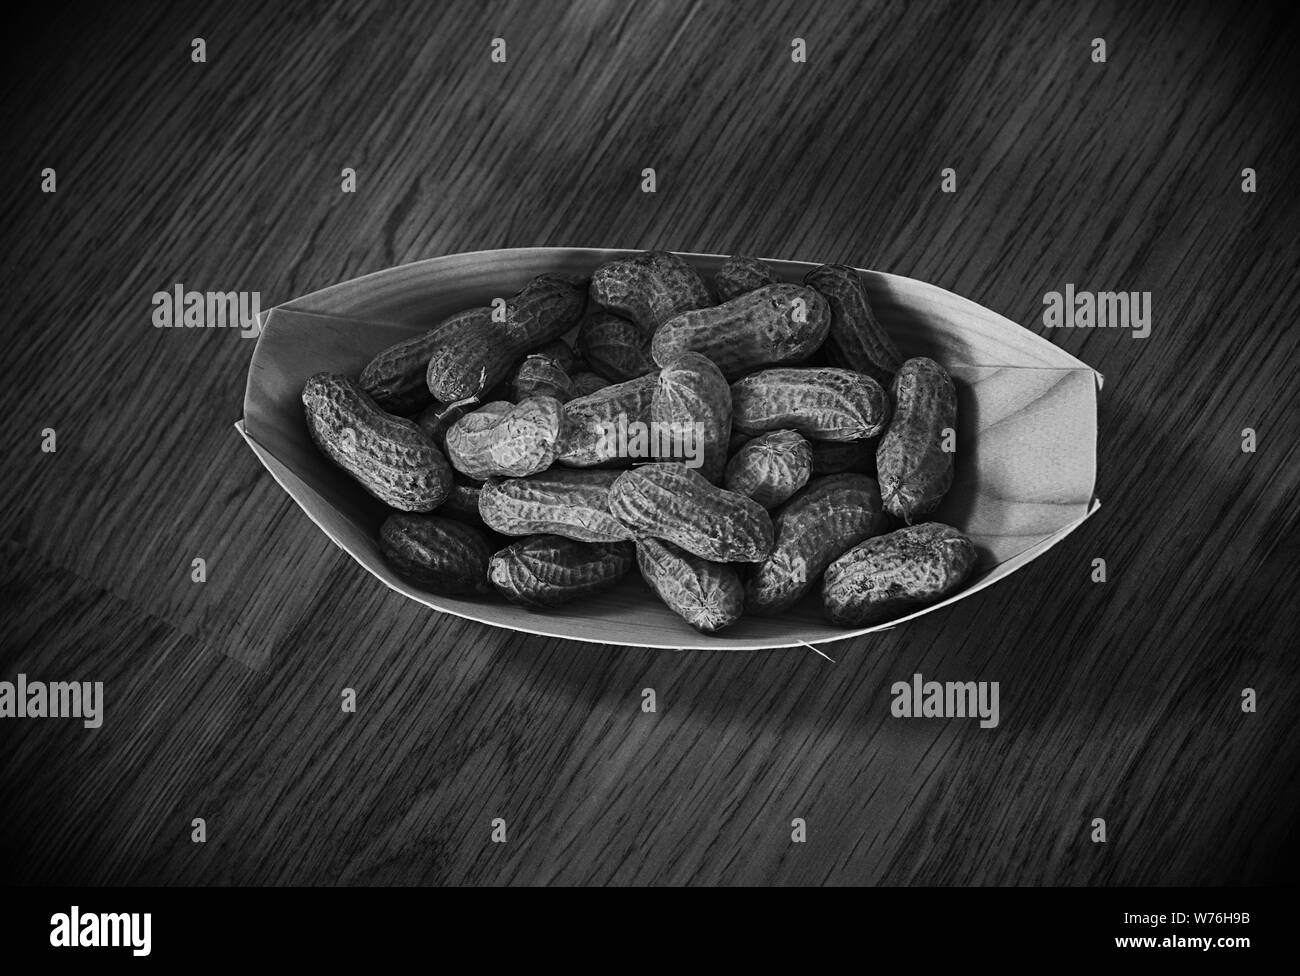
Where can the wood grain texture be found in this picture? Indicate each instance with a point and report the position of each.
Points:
(1119, 700)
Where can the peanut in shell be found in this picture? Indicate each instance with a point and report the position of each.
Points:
(780, 323)
(740, 274)
(691, 410)
(856, 339)
(539, 375)
(585, 383)
(770, 468)
(649, 288)
(569, 502)
(442, 555)
(389, 456)
(672, 502)
(395, 378)
(597, 427)
(507, 440)
(707, 595)
(813, 529)
(615, 347)
(891, 575)
(821, 403)
(547, 571)
(914, 468)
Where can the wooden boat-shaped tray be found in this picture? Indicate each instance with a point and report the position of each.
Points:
(1025, 465)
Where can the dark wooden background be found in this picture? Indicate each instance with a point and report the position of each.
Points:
(1119, 700)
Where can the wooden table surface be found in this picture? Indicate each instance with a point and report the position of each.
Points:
(1119, 700)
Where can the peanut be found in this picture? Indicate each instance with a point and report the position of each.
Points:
(816, 527)
(691, 408)
(586, 383)
(822, 403)
(504, 439)
(890, 575)
(855, 341)
(547, 571)
(561, 352)
(592, 424)
(675, 503)
(707, 595)
(615, 347)
(395, 378)
(914, 469)
(649, 288)
(439, 554)
(779, 323)
(538, 375)
(462, 501)
(546, 308)
(471, 356)
(473, 353)
(571, 503)
(389, 456)
(740, 274)
(770, 468)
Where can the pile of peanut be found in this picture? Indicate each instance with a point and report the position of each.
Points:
(773, 409)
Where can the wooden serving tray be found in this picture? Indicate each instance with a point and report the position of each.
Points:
(1025, 465)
